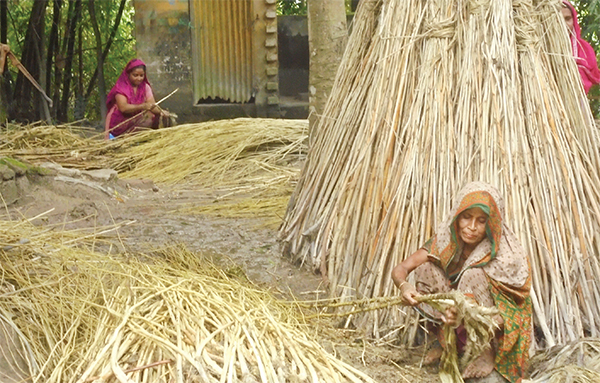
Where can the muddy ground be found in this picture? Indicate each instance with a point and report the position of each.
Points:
(153, 216)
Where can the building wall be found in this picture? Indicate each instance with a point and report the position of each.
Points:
(163, 39)
(164, 42)
(292, 33)
(294, 64)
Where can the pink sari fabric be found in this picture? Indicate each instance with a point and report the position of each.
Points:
(124, 87)
(583, 51)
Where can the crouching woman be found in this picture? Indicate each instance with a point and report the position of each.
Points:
(131, 105)
(474, 252)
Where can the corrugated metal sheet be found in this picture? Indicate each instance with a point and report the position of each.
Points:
(222, 40)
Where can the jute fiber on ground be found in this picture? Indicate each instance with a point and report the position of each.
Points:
(170, 316)
(429, 96)
(216, 153)
(251, 163)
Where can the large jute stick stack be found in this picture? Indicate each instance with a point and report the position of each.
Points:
(429, 96)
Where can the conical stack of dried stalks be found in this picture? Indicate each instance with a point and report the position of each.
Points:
(429, 96)
(169, 316)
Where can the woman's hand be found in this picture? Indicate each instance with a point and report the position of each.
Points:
(450, 317)
(409, 293)
(148, 106)
(401, 271)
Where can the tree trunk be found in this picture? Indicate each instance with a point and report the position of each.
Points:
(43, 110)
(327, 37)
(53, 45)
(109, 42)
(3, 21)
(60, 60)
(66, 86)
(101, 83)
(79, 110)
(28, 107)
(4, 90)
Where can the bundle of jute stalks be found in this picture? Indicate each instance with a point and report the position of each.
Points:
(217, 153)
(168, 316)
(477, 321)
(479, 325)
(431, 95)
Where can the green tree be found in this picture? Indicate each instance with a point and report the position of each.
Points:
(327, 37)
(291, 7)
(59, 44)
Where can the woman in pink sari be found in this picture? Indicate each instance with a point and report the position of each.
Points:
(582, 50)
(130, 103)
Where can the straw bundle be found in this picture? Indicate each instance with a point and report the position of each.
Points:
(429, 96)
(167, 316)
(480, 327)
(36, 136)
(478, 322)
(570, 374)
(251, 162)
(269, 207)
(64, 144)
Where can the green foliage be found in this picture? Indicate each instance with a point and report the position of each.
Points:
(589, 21)
(122, 50)
(24, 166)
(291, 7)
(18, 17)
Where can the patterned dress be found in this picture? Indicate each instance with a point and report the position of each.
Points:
(496, 272)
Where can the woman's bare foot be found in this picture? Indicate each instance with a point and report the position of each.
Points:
(433, 355)
(482, 366)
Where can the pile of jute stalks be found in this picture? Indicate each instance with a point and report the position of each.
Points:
(251, 163)
(168, 316)
(431, 95)
(216, 153)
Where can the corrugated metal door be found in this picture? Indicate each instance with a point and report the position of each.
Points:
(222, 44)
